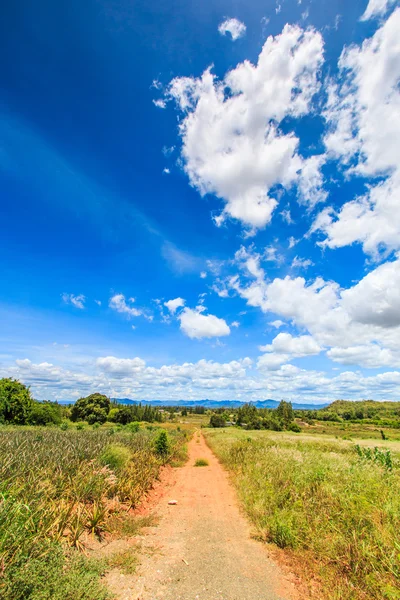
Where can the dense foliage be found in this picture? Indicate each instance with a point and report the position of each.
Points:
(57, 486)
(93, 409)
(249, 416)
(17, 406)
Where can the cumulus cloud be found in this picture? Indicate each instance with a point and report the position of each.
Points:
(173, 305)
(284, 343)
(133, 378)
(197, 325)
(232, 145)
(363, 314)
(375, 300)
(120, 305)
(376, 8)
(77, 301)
(363, 116)
(236, 28)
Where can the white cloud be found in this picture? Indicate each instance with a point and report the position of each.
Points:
(196, 325)
(284, 343)
(301, 263)
(120, 305)
(166, 171)
(77, 301)
(235, 324)
(133, 378)
(365, 313)
(271, 362)
(370, 356)
(277, 323)
(236, 28)
(203, 274)
(376, 8)
(231, 142)
(285, 214)
(98, 302)
(363, 115)
(292, 242)
(173, 305)
(375, 300)
(160, 103)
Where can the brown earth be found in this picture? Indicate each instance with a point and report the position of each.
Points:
(202, 548)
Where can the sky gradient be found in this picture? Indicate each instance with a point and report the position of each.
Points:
(201, 200)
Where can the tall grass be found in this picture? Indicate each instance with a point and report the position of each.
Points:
(335, 509)
(54, 487)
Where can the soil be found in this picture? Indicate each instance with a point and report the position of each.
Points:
(202, 547)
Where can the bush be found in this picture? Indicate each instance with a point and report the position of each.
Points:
(217, 421)
(133, 427)
(45, 413)
(116, 457)
(162, 444)
(93, 409)
(15, 402)
(294, 427)
(201, 462)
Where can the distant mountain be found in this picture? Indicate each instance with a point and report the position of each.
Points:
(218, 403)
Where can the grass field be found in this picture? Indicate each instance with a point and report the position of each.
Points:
(58, 486)
(334, 510)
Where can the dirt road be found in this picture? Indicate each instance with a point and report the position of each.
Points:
(201, 548)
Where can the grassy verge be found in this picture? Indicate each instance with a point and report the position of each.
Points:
(335, 510)
(55, 487)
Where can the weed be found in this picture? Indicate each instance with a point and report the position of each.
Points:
(201, 462)
(126, 561)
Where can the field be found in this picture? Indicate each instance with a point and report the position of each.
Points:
(333, 506)
(58, 487)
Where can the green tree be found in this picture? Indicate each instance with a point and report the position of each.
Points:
(285, 412)
(45, 413)
(93, 409)
(15, 402)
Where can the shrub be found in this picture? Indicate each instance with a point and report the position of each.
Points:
(133, 427)
(162, 444)
(45, 413)
(116, 457)
(201, 462)
(294, 427)
(217, 421)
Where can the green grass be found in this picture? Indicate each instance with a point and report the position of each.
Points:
(57, 486)
(336, 510)
(201, 462)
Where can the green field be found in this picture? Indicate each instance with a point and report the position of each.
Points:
(334, 510)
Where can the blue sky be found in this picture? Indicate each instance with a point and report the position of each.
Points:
(201, 200)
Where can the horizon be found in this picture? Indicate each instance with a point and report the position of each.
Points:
(201, 200)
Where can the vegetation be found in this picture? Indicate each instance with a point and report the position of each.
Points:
(56, 488)
(331, 505)
(201, 462)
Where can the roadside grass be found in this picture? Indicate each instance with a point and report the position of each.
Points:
(201, 462)
(56, 487)
(334, 509)
(126, 561)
